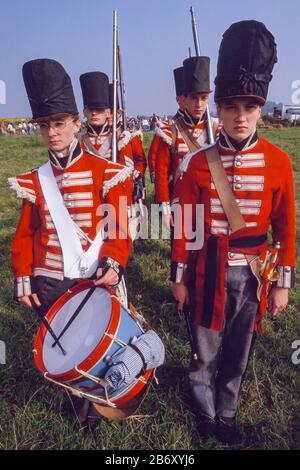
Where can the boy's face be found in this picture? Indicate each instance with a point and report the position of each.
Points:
(239, 117)
(196, 103)
(95, 117)
(58, 131)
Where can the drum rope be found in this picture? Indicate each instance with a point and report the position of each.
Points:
(99, 381)
(76, 392)
(115, 339)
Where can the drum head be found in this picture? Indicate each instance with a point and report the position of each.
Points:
(82, 336)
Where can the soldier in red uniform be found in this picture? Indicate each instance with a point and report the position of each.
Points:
(173, 146)
(153, 150)
(58, 239)
(96, 101)
(217, 280)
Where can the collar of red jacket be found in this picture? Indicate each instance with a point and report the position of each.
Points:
(63, 162)
(191, 122)
(228, 143)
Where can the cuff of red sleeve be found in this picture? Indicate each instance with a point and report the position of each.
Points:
(287, 277)
(105, 263)
(178, 272)
(23, 286)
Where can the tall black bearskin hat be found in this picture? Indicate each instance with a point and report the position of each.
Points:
(246, 59)
(196, 75)
(95, 90)
(178, 78)
(49, 88)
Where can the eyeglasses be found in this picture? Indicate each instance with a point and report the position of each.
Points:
(57, 126)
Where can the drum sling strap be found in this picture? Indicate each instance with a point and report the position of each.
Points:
(228, 201)
(136, 349)
(77, 263)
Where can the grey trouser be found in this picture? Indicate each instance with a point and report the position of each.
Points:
(215, 377)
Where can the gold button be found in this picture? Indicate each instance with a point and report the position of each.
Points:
(238, 186)
(237, 178)
(238, 163)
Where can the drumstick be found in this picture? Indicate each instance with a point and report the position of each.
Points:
(49, 329)
(75, 314)
(80, 307)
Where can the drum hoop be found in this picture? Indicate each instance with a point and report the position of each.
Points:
(124, 395)
(133, 389)
(98, 352)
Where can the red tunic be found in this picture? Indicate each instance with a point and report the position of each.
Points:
(152, 156)
(85, 184)
(169, 156)
(139, 158)
(153, 150)
(261, 178)
(100, 145)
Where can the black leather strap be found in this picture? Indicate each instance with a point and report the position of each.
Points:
(136, 349)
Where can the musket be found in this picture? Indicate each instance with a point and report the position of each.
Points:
(122, 89)
(195, 32)
(210, 134)
(115, 86)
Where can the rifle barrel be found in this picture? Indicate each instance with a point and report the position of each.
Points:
(115, 42)
(195, 32)
(210, 134)
(122, 89)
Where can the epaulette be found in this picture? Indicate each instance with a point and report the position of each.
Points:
(24, 186)
(163, 123)
(114, 174)
(123, 139)
(165, 133)
(137, 133)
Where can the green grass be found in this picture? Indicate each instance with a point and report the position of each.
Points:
(37, 415)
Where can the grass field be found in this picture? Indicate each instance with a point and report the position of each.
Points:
(38, 415)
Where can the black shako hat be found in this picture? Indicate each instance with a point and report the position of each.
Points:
(111, 97)
(49, 88)
(178, 78)
(95, 92)
(196, 75)
(247, 56)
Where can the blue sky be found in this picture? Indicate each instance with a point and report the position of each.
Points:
(154, 37)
